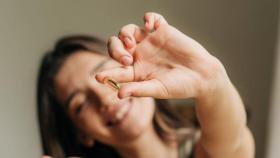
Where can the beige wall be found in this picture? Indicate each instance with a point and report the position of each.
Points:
(241, 33)
(273, 144)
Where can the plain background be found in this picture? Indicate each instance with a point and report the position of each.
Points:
(241, 33)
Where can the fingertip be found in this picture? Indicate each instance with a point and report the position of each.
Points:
(146, 16)
(123, 94)
(157, 24)
(147, 26)
(117, 50)
(99, 77)
(120, 95)
(128, 42)
(126, 60)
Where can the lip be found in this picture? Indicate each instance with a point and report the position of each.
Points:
(111, 114)
(119, 122)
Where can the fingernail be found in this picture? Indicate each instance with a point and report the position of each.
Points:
(126, 60)
(124, 95)
(147, 24)
(128, 42)
(98, 77)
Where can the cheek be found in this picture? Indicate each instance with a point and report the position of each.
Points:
(144, 112)
(92, 123)
(147, 105)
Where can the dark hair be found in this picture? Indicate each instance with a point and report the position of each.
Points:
(58, 134)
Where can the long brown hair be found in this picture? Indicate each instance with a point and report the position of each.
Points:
(58, 134)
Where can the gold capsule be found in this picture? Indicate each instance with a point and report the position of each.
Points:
(152, 30)
(112, 84)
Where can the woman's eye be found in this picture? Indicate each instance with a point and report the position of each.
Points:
(80, 107)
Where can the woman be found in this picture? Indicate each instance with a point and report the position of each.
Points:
(80, 115)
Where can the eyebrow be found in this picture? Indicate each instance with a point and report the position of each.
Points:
(73, 94)
(99, 66)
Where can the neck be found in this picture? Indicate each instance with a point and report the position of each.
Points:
(148, 145)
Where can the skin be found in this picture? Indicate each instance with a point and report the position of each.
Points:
(92, 103)
(155, 65)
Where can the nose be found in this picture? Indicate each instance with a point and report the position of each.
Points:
(105, 95)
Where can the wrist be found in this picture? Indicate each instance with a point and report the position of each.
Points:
(216, 85)
(219, 93)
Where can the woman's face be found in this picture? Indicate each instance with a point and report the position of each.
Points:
(95, 108)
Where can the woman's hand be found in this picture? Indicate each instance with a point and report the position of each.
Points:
(164, 63)
(167, 64)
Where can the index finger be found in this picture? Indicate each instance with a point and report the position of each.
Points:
(118, 52)
(153, 21)
(119, 74)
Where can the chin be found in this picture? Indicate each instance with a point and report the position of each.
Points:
(135, 127)
(138, 121)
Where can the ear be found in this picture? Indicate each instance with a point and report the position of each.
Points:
(86, 140)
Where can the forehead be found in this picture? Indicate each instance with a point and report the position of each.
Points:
(75, 72)
(79, 62)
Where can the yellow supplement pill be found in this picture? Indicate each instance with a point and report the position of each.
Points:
(111, 83)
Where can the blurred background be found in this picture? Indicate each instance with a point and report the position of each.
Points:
(243, 34)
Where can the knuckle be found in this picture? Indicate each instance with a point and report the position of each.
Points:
(154, 15)
(127, 29)
(122, 32)
(158, 15)
(111, 40)
(149, 13)
(109, 43)
(114, 38)
(131, 25)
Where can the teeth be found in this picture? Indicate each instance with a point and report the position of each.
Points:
(121, 112)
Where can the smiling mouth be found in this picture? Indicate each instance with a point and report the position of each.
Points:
(116, 118)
